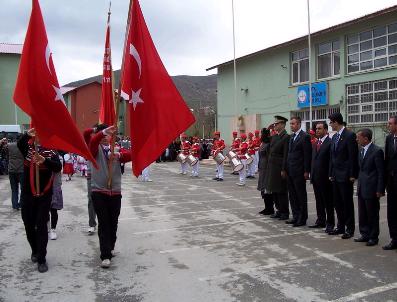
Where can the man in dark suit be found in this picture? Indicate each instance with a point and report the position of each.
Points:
(320, 179)
(298, 171)
(370, 188)
(342, 173)
(391, 182)
(275, 174)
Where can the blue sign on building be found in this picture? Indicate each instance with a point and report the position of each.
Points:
(319, 95)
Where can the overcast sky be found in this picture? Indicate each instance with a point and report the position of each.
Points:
(190, 35)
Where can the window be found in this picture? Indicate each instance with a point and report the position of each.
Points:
(320, 114)
(328, 59)
(372, 49)
(371, 102)
(300, 66)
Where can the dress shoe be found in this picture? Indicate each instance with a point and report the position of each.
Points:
(262, 212)
(391, 246)
(335, 232)
(372, 242)
(317, 226)
(33, 258)
(283, 217)
(268, 212)
(299, 224)
(290, 221)
(215, 178)
(361, 239)
(42, 267)
(220, 179)
(347, 236)
(275, 215)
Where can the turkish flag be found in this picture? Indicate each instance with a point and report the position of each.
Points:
(37, 92)
(106, 113)
(158, 113)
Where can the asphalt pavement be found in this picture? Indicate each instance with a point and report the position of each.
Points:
(191, 239)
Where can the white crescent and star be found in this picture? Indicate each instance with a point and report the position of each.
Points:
(58, 93)
(136, 98)
(137, 57)
(47, 57)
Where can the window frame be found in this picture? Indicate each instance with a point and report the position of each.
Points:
(332, 52)
(373, 98)
(299, 62)
(355, 41)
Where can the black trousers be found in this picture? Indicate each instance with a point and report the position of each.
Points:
(107, 209)
(35, 211)
(281, 203)
(324, 203)
(368, 217)
(268, 200)
(392, 206)
(298, 198)
(344, 207)
(54, 218)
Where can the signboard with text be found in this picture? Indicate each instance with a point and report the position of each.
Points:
(319, 95)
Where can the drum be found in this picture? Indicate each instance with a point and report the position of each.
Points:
(191, 160)
(237, 165)
(231, 155)
(249, 159)
(181, 158)
(219, 158)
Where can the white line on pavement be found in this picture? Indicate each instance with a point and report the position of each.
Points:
(184, 202)
(273, 265)
(366, 293)
(185, 213)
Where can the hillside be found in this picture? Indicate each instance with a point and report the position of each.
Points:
(193, 88)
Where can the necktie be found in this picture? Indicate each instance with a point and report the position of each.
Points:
(319, 143)
(395, 144)
(337, 137)
(292, 140)
(362, 153)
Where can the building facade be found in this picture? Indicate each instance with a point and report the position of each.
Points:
(10, 114)
(353, 71)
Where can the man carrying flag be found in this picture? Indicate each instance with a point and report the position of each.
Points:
(38, 94)
(157, 111)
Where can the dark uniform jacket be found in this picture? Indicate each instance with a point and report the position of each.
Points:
(390, 156)
(371, 173)
(277, 162)
(343, 162)
(320, 162)
(262, 164)
(299, 155)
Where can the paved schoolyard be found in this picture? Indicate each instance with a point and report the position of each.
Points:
(189, 239)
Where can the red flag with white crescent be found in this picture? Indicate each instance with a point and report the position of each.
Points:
(37, 92)
(158, 113)
(107, 111)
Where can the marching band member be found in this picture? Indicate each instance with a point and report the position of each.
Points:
(185, 149)
(243, 148)
(235, 146)
(218, 147)
(257, 142)
(195, 151)
(251, 152)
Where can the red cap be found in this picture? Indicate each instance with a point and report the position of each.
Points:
(243, 135)
(217, 133)
(183, 135)
(312, 132)
(256, 131)
(250, 134)
(234, 132)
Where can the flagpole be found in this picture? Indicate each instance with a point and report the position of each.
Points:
(118, 98)
(36, 167)
(310, 65)
(234, 69)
